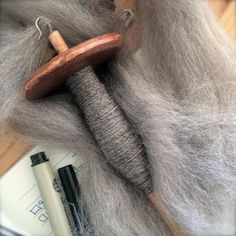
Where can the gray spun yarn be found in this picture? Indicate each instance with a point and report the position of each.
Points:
(179, 92)
(120, 145)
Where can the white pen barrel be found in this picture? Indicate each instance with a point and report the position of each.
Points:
(52, 199)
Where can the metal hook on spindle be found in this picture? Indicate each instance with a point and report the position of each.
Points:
(37, 27)
(72, 60)
(50, 27)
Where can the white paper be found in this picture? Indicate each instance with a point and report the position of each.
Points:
(21, 205)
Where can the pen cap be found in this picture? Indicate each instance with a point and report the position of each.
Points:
(51, 197)
(70, 183)
(38, 158)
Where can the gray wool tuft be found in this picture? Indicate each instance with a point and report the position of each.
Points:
(178, 91)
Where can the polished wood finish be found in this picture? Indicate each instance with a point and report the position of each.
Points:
(228, 19)
(157, 204)
(11, 151)
(58, 42)
(218, 6)
(53, 74)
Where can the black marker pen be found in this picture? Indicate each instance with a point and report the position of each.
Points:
(71, 188)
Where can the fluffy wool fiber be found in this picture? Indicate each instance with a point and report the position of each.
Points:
(178, 91)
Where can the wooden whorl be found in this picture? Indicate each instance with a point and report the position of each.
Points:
(53, 74)
(68, 62)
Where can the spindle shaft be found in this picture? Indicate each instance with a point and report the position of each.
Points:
(121, 146)
(157, 204)
(58, 42)
(60, 46)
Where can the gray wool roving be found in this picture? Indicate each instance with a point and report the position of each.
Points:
(178, 90)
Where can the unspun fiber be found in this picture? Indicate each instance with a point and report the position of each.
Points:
(178, 92)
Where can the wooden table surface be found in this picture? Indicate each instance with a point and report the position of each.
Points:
(12, 149)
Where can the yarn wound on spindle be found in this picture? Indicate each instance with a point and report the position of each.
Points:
(178, 91)
(121, 146)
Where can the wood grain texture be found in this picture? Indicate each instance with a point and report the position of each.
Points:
(218, 6)
(53, 74)
(228, 19)
(11, 149)
(58, 42)
(157, 204)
